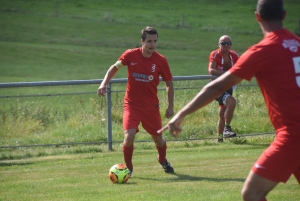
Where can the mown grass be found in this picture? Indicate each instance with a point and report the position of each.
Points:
(202, 172)
(80, 42)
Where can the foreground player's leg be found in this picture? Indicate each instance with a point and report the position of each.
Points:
(256, 187)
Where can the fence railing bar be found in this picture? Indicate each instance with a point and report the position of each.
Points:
(84, 93)
(39, 95)
(48, 83)
(95, 81)
(79, 93)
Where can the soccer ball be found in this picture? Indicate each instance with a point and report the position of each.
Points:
(119, 174)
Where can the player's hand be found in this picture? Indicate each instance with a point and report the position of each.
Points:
(169, 112)
(101, 91)
(173, 126)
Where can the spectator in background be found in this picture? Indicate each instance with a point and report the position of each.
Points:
(141, 104)
(220, 61)
(275, 63)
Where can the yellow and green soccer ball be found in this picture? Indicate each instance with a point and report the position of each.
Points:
(119, 174)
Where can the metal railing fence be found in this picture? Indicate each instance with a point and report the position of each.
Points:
(87, 82)
(108, 102)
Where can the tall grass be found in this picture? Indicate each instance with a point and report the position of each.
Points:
(84, 120)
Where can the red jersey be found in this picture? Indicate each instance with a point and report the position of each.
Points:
(216, 56)
(275, 62)
(143, 78)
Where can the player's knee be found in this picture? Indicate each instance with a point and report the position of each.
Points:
(246, 195)
(251, 195)
(231, 102)
(129, 137)
(159, 141)
(221, 114)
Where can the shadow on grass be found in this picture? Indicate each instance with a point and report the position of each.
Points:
(13, 164)
(184, 177)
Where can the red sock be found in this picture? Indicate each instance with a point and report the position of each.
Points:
(128, 152)
(162, 152)
(263, 199)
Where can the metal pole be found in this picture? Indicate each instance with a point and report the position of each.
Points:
(109, 116)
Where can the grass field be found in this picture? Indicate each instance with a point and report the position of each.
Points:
(85, 37)
(210, 173)
(79, 40)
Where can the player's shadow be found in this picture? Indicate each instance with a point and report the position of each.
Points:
(184, 177)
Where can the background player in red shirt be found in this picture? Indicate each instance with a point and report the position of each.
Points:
(275, 62)
(141, 104)
(220, 61)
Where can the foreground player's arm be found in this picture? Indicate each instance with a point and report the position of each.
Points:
(212, 69)
(109, 75)
(170, 93)
(208, 93)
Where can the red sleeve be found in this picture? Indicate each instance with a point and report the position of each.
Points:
(249, 64)
(125, 57)
(212, 56)
(165, 71)
(235, 56)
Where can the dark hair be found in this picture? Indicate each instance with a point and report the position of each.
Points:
(270, 10)
(148, 30)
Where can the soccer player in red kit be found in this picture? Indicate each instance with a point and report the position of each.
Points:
(220, 61)
(275, 63)
(141, 104)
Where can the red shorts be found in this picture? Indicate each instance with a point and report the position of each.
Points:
(280, 160)
(151, 120)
